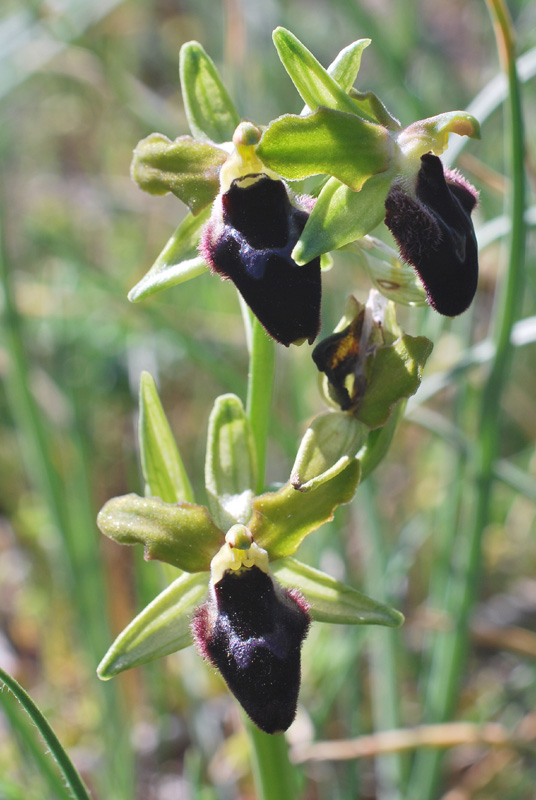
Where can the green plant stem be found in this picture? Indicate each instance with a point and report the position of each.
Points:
(67, 768)
(274, 775)
(449, 650)
(259, 400)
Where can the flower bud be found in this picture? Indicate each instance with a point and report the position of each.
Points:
(369, 365)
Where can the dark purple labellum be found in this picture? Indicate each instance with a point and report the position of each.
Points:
(249, 240)
(435, 234)
(252, 631)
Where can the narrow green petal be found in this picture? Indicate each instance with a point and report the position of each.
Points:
(185, 167)
(331, 600)
(326, 142)
(281, 520)
(179, 260)
(210, 111)
(312, 81)
(230, 467)
(345, 68)
(182, 535)
(340, 216)
(161, 463)
(163, 627)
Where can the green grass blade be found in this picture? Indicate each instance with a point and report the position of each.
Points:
(66, 766)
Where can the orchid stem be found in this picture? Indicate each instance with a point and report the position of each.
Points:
(259, 400)
(275, 777)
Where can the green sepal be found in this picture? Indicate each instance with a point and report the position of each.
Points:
(316, 86)
(281, 520)
(179, 261)
(163, 627)
(328, 446)
(340, 216)
(372, 107)
(210, 111)
(333, 601)
(182, 535)
(393, 372)
(345, 67)
(161, 463)
(230, 466)
(326, 142)
(187, 168)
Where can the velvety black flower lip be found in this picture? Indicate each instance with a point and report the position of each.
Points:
(435, 234)
(249, 240)
(252, 630)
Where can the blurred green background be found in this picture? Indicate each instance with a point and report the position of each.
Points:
(81, 81)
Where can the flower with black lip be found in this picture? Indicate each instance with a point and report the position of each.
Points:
(433, 228)
(253, 229)
(254, 224)
(251, 630)
(379, 171)
(241, 595)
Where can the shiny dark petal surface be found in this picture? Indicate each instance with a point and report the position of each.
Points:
(252, 244)
(252, 633)
(435, 234)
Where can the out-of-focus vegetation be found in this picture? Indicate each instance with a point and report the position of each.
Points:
(80, 83)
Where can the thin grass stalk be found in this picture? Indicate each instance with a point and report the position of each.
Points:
(31, 747)
(384, 679)
(66, 766)
(450, 649)
(72, 514)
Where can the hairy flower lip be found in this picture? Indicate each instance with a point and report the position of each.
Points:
(435, 234)
(249, 240)
(252, 630)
